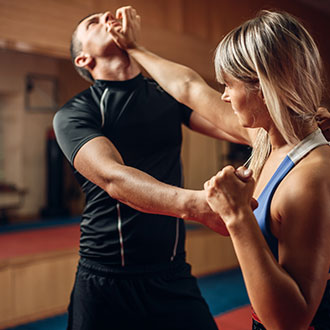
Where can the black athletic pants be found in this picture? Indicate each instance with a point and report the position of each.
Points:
(104, 298)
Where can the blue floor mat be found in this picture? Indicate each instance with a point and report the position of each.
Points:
(224, 291)
(54, 323)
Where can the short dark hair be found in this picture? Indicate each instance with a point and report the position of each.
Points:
(75, 49)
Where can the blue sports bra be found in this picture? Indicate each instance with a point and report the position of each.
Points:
(262, 213)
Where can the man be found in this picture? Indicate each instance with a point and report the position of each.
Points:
(123, 139)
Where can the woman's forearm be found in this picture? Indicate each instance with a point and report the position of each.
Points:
(173, 77)
(189, 88)
(274, 294)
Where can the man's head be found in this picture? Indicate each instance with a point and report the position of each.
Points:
(91, 39)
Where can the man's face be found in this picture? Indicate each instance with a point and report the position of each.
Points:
(93, 33)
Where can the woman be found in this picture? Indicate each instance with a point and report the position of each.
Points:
(271, 69)
(272, 72)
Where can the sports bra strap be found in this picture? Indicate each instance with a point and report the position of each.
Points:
(310, 142)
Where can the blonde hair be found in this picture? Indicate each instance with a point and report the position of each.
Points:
(274, 53)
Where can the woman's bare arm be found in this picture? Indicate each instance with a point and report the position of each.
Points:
(287, 293)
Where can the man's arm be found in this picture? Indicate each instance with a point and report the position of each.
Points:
(100, 162)
(183, 83)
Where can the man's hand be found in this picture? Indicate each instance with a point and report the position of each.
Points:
(323, 120)
(199, 210)
(126, 37)
(205, 210)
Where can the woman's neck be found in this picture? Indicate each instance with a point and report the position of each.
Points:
(279, 143)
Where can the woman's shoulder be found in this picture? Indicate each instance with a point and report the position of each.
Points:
(308, 183)
(316, 163)
(313, 169)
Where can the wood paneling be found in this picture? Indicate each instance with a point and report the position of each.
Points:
(44, 284)
(43, 26)
(208, 252)
(184, 49)
(196, 18)
(183, 30)
(35, 286)
(6, 285)
(202, 158)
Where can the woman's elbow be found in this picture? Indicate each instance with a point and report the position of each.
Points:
(185, 91)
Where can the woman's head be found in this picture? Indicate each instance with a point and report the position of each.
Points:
(275, 54)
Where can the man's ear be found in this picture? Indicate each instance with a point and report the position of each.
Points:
(83, 60)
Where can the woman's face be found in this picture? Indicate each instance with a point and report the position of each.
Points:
(248, 105)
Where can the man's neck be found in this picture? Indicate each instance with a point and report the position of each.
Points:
(117, 67)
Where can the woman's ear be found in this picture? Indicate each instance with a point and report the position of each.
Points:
(83, 60)
(261, 95)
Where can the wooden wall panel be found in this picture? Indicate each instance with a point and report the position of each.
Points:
(35, 286)
(184, 49)
(10, 107)
(196, 18)
(25, 131)
(46, 26)
(202, 158)
(69, 81)
(6, 285)
(43, 285)
(173, 16)
(208, 252)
